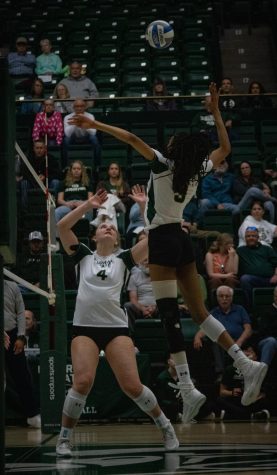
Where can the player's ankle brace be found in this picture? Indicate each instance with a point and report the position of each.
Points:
(212, 328)
(146, 401)
(74, 404)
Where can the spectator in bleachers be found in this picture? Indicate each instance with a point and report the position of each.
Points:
(136, 221)
(48, 63)
(221, 262)
(79, 85)
(28, 262)
(15, 360)
(159, 90)
(216, 191)
(21, 63)
(48, 124)
(74, 190)
(142, 303)
(77, 135)
(234, 318)
(36, 93)
(257, 265)
(267, 231)
(32, 333)
(268, 320)
(231, 390)
(247, 188)
(257, 100)
(226, 90)
(116, 185)
(61, 92)
(38, 162)
(203, 121)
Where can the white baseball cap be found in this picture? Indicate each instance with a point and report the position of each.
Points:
(35, 235)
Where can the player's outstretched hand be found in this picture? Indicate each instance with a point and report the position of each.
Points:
(98, 199)
(214, 97)
(138, 194)
(81, 120)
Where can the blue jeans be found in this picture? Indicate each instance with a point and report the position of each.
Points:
(206, 205)
(267, 348)
(63, 210)
(26, 185)
(255, 193)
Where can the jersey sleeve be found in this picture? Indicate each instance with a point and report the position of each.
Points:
(81, 250)
(127, 258)
(207, 166)
(160, 163)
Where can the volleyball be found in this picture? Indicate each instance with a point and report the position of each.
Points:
(159, 34)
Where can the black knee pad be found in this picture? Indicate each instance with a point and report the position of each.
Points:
(169, 311)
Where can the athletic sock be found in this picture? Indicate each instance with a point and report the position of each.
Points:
(236, 352)
(161, 421)
(65, 433)
(182, 367)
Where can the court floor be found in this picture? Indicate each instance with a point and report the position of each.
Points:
(136, 449)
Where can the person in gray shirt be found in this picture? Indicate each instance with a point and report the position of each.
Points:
(78, 85)
(15, 360)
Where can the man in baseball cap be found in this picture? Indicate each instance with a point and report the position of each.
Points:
(21, 63)
(35, 235)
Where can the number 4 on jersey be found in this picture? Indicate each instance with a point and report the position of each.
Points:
(102, 274)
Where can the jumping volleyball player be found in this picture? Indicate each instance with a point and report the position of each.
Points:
(172, 184)
(101, 324)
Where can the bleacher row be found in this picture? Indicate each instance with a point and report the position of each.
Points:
(109, 39)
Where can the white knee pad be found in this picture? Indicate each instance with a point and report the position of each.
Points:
(146, 401)
(74, 404)
(163, 289)
(212, 328)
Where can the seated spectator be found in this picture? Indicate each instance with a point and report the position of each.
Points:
(32, 333)
(247, 188)
(61, 92)
(227, 102)
(48, 124)
(116, 185)
(28, 262)
(160, 104)
(267, 231)
(73, 190)
(36, 93)
(231, 390)
(79, 85)
(78, 135)
(38, 162)
(267, 325)
(234, 318)
(142, 303)
(257, 264)
(257, 100)
(221, 262)
(168, 398)
(48, 63)
(203, 121)
(21, 63)
(216, 191)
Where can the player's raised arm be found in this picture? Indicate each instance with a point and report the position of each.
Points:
(67, 236)
(121, 134)
(224, 148)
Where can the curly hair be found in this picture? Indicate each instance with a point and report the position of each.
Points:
(188, 152)
(221, 240)
(84, 176)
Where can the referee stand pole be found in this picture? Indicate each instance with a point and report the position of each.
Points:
(2, 373)
(53, 348)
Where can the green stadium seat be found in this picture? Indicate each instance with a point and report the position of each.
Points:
(218, 220)
(262, 299)
(268, 134)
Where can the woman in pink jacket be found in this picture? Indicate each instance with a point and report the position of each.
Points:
(48, 123)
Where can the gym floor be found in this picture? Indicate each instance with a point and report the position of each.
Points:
(248, 448)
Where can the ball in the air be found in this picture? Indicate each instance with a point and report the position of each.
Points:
(159, 34)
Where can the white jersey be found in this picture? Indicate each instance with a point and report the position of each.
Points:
(102, 279)
(163, 206)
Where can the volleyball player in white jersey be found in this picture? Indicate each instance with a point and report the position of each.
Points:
(100, 323)
(172, 183)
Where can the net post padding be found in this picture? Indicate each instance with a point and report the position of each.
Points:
(53, 349)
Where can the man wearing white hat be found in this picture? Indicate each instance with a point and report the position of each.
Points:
(28, 263)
